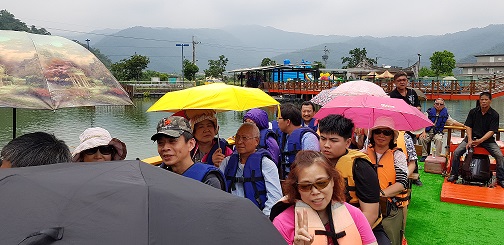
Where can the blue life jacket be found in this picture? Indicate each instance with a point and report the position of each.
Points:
(277, 131)
(311, 124)
(198, 171)
(253, 181)
(294, 145)
(441, 119)
(265, 134)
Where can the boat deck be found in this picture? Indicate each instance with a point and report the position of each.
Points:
(473, 195)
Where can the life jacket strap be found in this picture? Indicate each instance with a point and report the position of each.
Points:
(333, 235)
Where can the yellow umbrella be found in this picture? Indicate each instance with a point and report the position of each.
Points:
(216, 96)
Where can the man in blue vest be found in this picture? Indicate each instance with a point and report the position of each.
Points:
(250, 172)
(295, 137)
(174, 143)
(308, 111)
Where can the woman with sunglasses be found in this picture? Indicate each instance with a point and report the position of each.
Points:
(313, 210)
(391, 166)
(96, 145)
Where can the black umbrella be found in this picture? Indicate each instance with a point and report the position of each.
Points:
(123, 202)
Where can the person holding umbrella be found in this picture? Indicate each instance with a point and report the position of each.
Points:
(175, 142)
(96, 145)
(314, 208)
(208, 149)
(391, 166)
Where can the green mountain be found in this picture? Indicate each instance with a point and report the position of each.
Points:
(246, 46)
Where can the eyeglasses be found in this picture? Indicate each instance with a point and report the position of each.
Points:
(402, 80)
(244, 138)
(386, 132)
(104, 150)
(280, 118)
(438, 104)
(319, 185)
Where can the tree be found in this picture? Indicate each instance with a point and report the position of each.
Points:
(216, 67)
(318, 64)
(442, 63)
(148, 74)
(9, 22)
(190, 70)
(130, 69)
(426, 72)
(356, 56)
(268, 62)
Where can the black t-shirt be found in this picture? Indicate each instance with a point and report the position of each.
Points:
(366, 181)
(481, 124)
(411, 97)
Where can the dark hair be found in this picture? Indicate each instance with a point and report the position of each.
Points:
(391, 144)
(488, 94)
(309, 103)
(305, 159)
(291, 112)
(35, 149)
(400, 74)
(336, 124)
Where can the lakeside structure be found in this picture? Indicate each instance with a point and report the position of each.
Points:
(303, 81)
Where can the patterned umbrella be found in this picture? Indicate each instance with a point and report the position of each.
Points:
(323, 97)
(50, 72)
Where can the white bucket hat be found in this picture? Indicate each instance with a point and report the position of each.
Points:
(94, 137)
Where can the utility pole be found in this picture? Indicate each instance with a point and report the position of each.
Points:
(87, 40)
(325, 56)
(182, 45)
(194, 50)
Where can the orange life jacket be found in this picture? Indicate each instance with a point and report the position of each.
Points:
(387, 174)
(345, 167)
(344, 224)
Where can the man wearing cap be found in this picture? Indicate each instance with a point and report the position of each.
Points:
(175, 141)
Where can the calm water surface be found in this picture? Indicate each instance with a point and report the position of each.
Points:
(135, 126)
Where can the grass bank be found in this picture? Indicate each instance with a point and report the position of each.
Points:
(431, 221)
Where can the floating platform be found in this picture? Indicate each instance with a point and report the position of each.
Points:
(473, 195)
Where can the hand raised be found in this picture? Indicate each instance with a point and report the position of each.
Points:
(218, 157)
(302, 236)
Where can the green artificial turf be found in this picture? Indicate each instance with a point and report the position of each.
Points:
(431, 221)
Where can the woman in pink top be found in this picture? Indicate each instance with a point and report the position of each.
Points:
(313, 210)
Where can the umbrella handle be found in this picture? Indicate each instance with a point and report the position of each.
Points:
(54, 233)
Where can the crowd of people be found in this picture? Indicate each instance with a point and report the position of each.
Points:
(315, 182)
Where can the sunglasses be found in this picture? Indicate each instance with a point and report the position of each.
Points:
(319, 185)
(386, 132)
(438, 104)
(104, 150)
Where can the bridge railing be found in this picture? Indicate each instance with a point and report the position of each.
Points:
(460, 87)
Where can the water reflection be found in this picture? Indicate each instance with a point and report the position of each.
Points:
(135, 126)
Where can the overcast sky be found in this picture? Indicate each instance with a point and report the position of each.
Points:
(324, 17)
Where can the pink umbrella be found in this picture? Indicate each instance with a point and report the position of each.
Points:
(358, 87)
(364, 109)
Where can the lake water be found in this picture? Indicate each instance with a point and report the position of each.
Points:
(134, 126)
